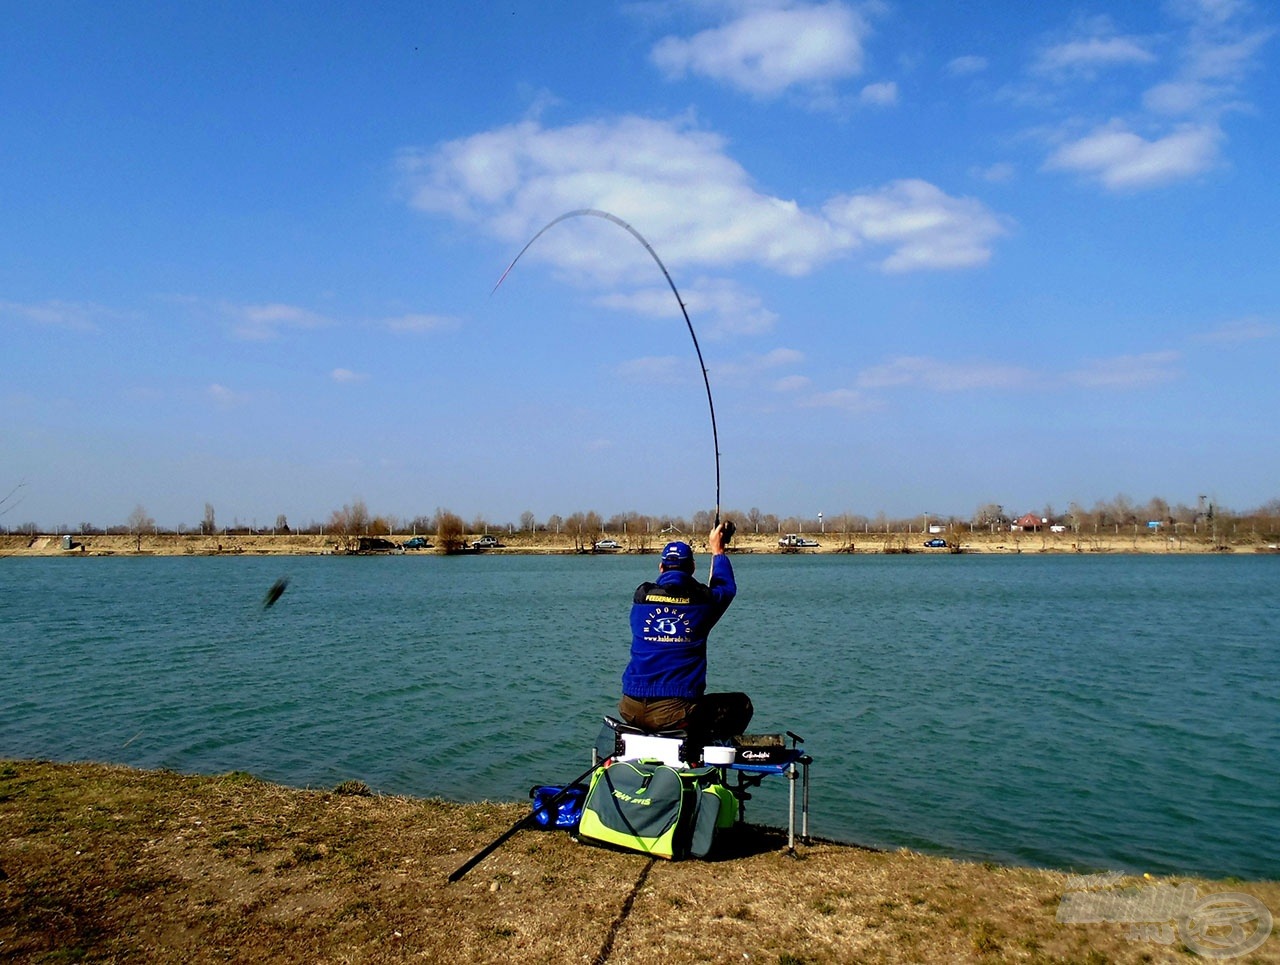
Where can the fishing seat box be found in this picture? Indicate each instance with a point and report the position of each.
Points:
(623, 741)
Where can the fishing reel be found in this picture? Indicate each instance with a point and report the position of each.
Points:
(727, 529)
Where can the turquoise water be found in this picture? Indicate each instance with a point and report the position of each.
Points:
(1077, 712)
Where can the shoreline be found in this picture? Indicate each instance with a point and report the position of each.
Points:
(106, 862)
(295, 544)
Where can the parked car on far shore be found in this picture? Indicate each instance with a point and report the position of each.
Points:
(936, 543)
(791, 539)
(485, 542)
(607, 544)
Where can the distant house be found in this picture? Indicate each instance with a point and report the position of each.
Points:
(1029, 523)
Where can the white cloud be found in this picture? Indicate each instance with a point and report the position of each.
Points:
(1126, 371)
(675, 184)
(938, 375)
(1211, 11)
(847, 400)
(224, 397)
(997, 173)
(1175, 130)
(1122, 160)
(748, 370)
(966, 65)
(948, 376)
(74, 316)
(769, 49)
(1178, 97)
(1093, 52)
(880, 95)
(1218, 55)
(1242, 330)
(265, 322)
(689, 198)
(659, 369)
(419, 323)
(732, 310)
(347, 376)
(924, 227)
(1226, 58)
(792, 383)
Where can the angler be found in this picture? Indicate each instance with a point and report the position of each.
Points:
(659, 782)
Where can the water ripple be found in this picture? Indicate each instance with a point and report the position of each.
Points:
(1079, 712)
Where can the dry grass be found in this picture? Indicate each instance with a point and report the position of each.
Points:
(108, 864)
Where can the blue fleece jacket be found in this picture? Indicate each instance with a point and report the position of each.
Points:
(670, 620)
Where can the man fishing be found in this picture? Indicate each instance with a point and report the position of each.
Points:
(665, 681)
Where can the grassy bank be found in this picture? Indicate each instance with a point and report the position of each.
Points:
(105, 863)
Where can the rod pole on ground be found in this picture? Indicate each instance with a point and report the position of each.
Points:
(791, 808)
(804, 807)
(549, 806)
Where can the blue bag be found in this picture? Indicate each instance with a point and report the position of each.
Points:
(564, 815)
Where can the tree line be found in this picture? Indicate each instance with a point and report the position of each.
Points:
(584, 527)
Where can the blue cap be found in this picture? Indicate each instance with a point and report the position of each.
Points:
(677, 556)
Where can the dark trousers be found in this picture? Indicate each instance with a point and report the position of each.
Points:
(709, 717)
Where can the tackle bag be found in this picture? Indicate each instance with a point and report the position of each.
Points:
(650, 807)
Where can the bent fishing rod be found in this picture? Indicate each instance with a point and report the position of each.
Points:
(706, 380)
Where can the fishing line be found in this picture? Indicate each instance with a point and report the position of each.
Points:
(593, 212)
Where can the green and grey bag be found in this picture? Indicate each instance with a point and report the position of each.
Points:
(650, 807)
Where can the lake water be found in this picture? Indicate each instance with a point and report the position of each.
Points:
(1084, 712)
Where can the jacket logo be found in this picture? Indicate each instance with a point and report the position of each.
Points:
(669, 624)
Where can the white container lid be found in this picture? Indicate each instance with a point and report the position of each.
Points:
(719, 755)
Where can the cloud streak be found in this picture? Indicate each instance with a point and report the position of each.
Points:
(874, 386)
(938, 375)
(72, 316)
(261, 323)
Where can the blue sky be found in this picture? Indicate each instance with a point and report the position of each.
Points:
(938, 255)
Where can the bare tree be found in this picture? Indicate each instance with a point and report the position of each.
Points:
(350, 520)
(989, 516)
(139, 521)
(450, 537)
(1157, 510)
(584, 528)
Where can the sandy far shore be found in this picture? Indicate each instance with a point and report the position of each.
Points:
(296, 544)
